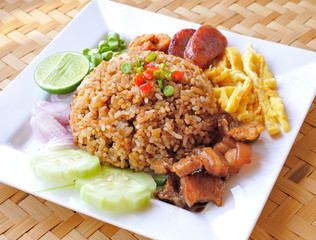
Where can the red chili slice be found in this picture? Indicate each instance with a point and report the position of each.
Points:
(138, 80)
(177, 75)
(148, 74)
(150, 65)
(146, 87)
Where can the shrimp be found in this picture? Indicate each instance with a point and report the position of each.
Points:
(153, 42)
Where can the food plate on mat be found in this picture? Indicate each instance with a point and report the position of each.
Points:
(246, 192)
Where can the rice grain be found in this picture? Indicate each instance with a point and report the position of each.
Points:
(114, 120)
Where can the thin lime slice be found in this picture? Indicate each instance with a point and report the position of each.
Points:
(62, 72)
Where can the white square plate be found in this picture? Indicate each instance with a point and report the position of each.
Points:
(246, 193)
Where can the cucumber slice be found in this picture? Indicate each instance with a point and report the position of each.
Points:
(64, 165)
(117, 189)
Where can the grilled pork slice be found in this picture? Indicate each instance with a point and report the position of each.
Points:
(171, 191)
(202, 187)
(249, 132)
(237, 157)
(187, 165)
(214, 163)
(162, 166)
(225, 160)
(186, 191)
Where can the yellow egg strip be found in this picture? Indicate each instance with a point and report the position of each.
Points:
(245, 88)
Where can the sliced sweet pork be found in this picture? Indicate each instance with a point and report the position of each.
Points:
(171, 191)
(237, 157)
(220, 164)
(162, 166)
(191, 189)
(187, 165)
(201, 188)
(247, 132)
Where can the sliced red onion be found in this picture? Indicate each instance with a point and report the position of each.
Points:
(46, 127)
(68, 128)
(59, 110)
(61, 142)
(62, 97)
(50, 122)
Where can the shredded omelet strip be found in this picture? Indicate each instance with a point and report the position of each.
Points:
(245, 87)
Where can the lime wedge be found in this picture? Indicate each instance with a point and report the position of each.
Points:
(62, 72)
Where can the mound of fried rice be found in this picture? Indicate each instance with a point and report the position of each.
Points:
(114, 120)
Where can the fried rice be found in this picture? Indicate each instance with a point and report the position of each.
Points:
(113, 119)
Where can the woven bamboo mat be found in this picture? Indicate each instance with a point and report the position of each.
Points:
(27, 26)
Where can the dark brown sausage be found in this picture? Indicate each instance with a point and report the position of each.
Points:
(205, 45)
(179, 42)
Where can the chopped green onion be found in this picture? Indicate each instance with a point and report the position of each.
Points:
(86, 51)
(140, 70)
(93, 51)
(159, 74)
(113, 36)
(126, 67)
(116, 53)
(160, 181)
(91, 66)
(102, 44)
(114, 45)
(168, 91)
(105, 49)
(89, 57)
(140, 62)
(123, 44)
(96, 59)
(168, 76)
(107, 55)
(162, 65)
(151, 57)
(160, 84)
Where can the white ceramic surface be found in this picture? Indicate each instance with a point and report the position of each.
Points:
(246, 193)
